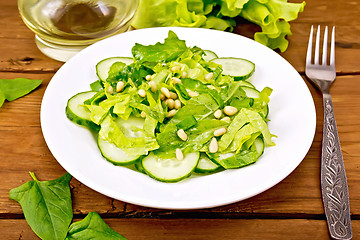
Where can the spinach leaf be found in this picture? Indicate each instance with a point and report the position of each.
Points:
(2, 99)
(11, 89)
(46, 206)
(171, 49)
(92, 227)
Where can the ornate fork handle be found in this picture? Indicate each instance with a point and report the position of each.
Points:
(333, 178)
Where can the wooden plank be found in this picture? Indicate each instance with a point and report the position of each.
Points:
(19, 52)
(196, 229)
(23, 149)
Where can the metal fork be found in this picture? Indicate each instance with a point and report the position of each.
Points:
(334, 187)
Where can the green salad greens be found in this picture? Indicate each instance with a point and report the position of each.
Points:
(47, 208)
(273, 16)
(160, 109)
(12, 89)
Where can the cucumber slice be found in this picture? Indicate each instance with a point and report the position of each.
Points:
(259, 145)
(170, 170)
(114, 154)
(77, 113)
(127, 126)
(238, 68)
(205, 165)
(102, 68)
(251, 92)
(138, 166)
(232, 160)
(209, 55)
(246, 84)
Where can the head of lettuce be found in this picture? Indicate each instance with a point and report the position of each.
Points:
(273, 16)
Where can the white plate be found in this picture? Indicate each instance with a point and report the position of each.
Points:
(292, 115)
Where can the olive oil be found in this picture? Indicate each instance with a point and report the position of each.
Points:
(83, 20)
(70, 25)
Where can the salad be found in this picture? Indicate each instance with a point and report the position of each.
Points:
(172, 110)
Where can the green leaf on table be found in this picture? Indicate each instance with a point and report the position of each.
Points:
(46, 205)
(2, 99)
(92, 227)
(11, 89)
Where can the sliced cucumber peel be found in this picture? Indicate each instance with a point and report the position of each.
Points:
(239, 68)
(102, 68)
(77, 113)
(170, 169)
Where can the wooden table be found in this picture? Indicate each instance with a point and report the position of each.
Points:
(291, 210)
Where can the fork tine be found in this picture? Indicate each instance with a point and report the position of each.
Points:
(324, 57)
(317, 46)
(332, 48)
(309, 50)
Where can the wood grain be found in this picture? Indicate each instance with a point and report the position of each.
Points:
(19, 52)
(199, 229)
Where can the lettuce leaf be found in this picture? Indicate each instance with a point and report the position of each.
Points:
(246, 123)
(273, 16)
(198, 136)
(141, 145)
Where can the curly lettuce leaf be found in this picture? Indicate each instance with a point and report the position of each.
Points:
(273, 16)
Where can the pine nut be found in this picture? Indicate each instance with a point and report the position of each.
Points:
(217, 113)
(177, 104)
(110, 90)
(142, 93)
(175, 80)
(213, 147)
(120, 86)
(170, 102)
(182, 134)
(209, 76)
(153, 86)
(162, 97)
(230, 110)
(143, 114)
(192, 94)
(171, 113)
(184, 75)
(173, 95)
(175, 68)
(226, 119)
(148, 77)
(219, 132)
(166, 92)
(179, 154)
